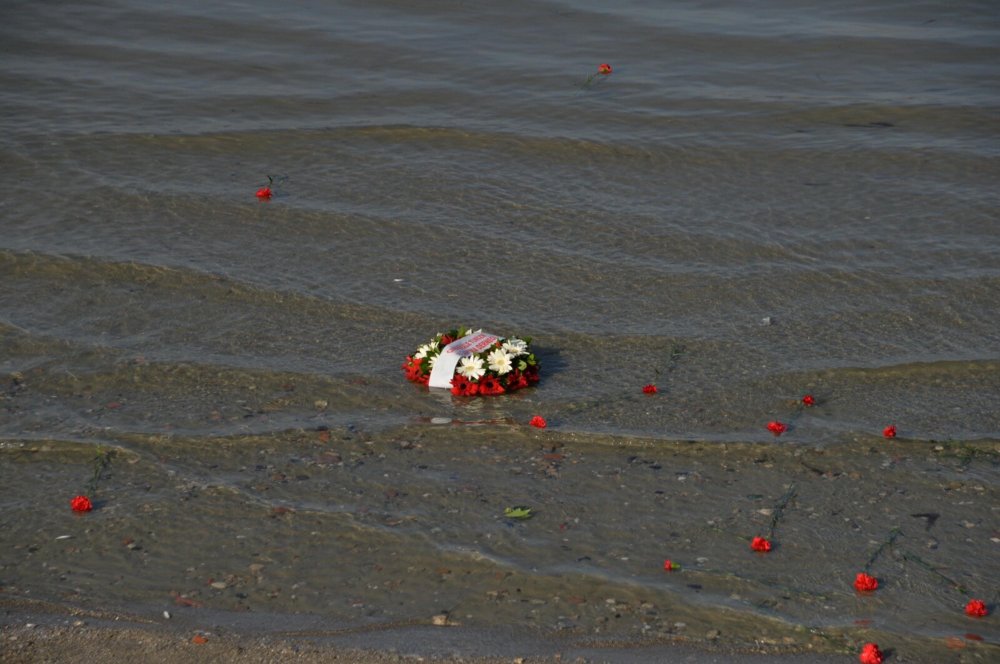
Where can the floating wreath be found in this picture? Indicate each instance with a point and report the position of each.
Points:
(471, 363)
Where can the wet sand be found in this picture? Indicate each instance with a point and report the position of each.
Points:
(396, 542)
(36, 633)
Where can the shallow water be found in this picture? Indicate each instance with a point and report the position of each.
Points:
(759, 203)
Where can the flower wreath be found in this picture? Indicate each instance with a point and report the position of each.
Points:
(505, 366)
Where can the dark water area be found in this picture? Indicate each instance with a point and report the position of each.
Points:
(762, 200)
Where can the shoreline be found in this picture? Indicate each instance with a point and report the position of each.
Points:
(33, 631)
(365, 547)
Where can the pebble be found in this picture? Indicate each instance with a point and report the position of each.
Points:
(712, 634)
(166, 614)
(219, 585)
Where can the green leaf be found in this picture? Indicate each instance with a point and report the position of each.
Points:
(518, 512)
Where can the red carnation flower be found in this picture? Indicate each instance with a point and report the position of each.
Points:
(604, 68)
(489, 385)
(870, 654)
(649, 389)
(864, 583)
(760, 544)
(446, 339)
(808, 400)
(81, 504)
(531, 373)
(460, 385)
(670, 566)
(976, 608)
(413, 369)
(889, 431)
(515, 380)
(776, 427)
(264, 193)
(538, 421)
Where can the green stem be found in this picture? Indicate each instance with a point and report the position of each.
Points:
(675, 352)
(893, 534)
(933, 570)
(779, 510)
(101, 463)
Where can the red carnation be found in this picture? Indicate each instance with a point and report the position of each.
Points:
(264, 193)
(515, 380)
(461, 386)
(870, 654)
(760, 544)
(776, 427)
(808, 400)
(489, 385)
(864, 583)
(604, 68)
(81, 504)
(531, 373)
(649, 389)
(538, 421)
(670, 566)
(976, 608)
(413, 369)
(889, 431)
(446, 339)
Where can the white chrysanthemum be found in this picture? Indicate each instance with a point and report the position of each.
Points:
(423, 350)
(471, 367)
(432, 359)
(500, 361)
(515, 347)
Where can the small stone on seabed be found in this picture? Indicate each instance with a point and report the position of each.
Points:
(713, 634)
(166, 614)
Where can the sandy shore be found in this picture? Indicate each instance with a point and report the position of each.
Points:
(42, 632)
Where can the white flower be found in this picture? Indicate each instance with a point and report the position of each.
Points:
(432, 359)
(423, 350)
(471, 367)
(499, 360)
(515, 347)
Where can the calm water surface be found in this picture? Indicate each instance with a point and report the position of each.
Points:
(763, 200)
